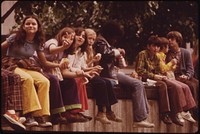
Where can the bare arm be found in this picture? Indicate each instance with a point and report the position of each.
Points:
(53, 49)
(68, 74)
(95, 59)
(46, 63)
(4, 47)
(79, 73)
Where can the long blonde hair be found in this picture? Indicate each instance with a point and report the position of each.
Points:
(89, 50)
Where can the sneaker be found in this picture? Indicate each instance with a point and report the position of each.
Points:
(22, 120)
(30, 121)
(143, 123)
(180, 117)
(101, 116)
(111, 116)
(176, 120)
(13, 121)
(42, 123)
(187, 116)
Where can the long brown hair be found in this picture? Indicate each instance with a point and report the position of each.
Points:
(58, 37)
(39, 38)
(78, 31)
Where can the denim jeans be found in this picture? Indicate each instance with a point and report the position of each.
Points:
(140, 104)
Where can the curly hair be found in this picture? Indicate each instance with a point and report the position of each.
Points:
(112, 30)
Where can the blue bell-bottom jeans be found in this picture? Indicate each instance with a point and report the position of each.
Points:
(140, 104)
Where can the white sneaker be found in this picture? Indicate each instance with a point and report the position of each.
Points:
(45, 124)
(187, 116)
(42, 122)
(143, 123)
(179, 115)
(30, 121)
(22, 119)
(13, 121)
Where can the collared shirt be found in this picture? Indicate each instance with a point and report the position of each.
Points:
(176, 55)
(164, 67)
(146, 66)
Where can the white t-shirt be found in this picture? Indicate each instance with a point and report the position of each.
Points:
(77, 61)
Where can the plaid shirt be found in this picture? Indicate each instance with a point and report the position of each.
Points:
(11, 91)
(147, 67)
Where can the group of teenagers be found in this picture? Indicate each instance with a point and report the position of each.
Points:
(54, 74)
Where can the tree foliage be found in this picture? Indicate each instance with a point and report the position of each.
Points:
(138, 18)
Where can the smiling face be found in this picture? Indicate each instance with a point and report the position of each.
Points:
(80, 38)
(30, 26)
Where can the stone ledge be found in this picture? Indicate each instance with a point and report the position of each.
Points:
(125, 92)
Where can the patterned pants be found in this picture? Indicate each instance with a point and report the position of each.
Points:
(11, 91)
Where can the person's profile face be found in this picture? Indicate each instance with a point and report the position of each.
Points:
(173, 43)
(91, 39)
(166, 49)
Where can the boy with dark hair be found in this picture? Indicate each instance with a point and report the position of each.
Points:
(105, 44)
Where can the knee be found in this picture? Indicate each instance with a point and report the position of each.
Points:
(137, 85)
(45, 81)
(28, 79)
(99, 82)
(72, 81)
(162, 85)
(186, 87)
(53, 79)
(177, 87)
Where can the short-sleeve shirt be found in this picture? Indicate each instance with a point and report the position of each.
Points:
(21, 51)
(52, 57)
